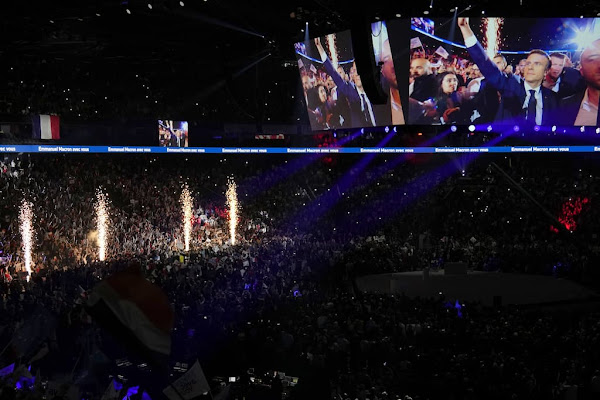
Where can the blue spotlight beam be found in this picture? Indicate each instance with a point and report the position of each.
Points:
(328, 199)
(411, 191)
(286, 170)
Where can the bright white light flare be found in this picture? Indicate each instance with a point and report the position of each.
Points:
(102, 222)
(27, 233)
(234, 208)
(186, 209)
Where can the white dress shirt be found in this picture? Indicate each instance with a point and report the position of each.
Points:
(539, 107)
(367, 104)
(588, 112)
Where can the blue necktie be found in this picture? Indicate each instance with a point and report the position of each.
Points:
(531, 108)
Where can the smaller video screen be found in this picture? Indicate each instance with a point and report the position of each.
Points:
(172, 133)
(424, 24)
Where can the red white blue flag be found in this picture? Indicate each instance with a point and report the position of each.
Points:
(46, 127)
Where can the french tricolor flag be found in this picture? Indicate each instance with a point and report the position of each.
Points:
(46, 127)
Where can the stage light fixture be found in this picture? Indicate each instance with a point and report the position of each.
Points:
(516, 128)
(453, 128)
(471, 128)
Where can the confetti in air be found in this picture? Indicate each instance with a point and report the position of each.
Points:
(491, 28)
(234, 207)
(102, 222)
(27, 233)
(186, 210)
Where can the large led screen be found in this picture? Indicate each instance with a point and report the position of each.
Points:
(332, 88)
(513, 71)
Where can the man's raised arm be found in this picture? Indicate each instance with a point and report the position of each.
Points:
(487, 67)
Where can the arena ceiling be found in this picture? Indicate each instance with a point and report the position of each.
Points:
(191, 44)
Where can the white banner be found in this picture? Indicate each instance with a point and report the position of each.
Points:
(192, 384)
(442, 52)
(415, 42)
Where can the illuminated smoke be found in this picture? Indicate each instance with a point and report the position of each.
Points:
(234, 207)
(102, 222)
(331, 45)
(27, 233)
(186, 210)
(491, 28)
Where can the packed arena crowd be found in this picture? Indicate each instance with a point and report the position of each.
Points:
(283, 298)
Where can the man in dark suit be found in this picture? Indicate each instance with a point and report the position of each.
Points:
(562, 79)
(483, 107)
(523, 101)
(361, 109)
(581, 109)
(423, 86)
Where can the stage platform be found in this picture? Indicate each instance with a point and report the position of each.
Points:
(478, 286)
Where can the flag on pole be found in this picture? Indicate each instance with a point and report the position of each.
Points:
(192, 384)
(46, 127)
(137, 312)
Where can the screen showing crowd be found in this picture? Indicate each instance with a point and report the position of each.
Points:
(514, 71)
(333, 93)
(172, 133)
